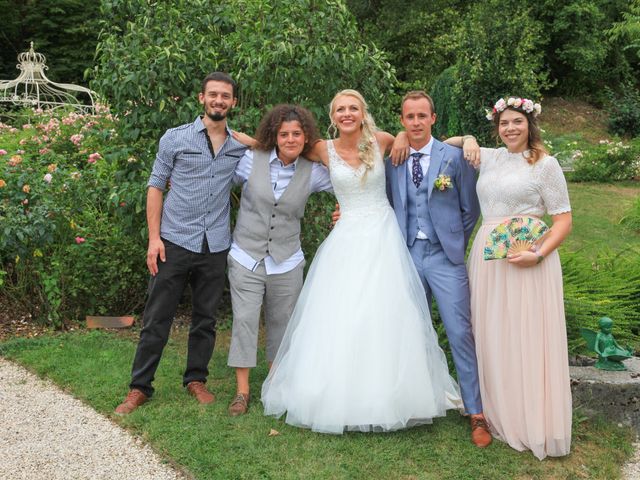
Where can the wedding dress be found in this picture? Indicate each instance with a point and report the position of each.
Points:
(360, 352)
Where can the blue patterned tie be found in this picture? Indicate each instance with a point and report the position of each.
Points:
(416, 169)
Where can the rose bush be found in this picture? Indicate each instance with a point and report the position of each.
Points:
(70, 241)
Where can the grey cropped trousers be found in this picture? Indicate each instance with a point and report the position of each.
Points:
(250, 291)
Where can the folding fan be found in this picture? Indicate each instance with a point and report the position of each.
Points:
(514, 235)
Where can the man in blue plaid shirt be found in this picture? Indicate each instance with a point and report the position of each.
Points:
(190, 236)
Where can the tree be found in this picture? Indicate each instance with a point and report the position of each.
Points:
(628, 29)
(418, 35)
(499, 53)
(153, 55)
(65, 31)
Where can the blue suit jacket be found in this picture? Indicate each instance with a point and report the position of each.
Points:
(454, 211)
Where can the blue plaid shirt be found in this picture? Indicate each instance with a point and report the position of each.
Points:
(198, 201)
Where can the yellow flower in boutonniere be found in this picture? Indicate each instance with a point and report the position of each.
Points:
(442, 182)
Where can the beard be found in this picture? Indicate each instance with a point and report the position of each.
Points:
(216, 116)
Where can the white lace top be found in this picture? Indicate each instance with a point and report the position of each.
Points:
(356, 193)
(508, 185)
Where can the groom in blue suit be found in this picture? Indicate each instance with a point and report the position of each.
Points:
(434, 197)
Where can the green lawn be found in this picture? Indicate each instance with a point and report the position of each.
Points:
(597, 210)
(94, 366)
(205, 441)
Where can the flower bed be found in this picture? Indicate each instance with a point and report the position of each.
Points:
(71, 197)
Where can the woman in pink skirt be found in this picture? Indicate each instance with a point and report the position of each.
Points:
(517, 308)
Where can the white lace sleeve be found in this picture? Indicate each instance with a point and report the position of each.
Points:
(487, 155)
(553, 187)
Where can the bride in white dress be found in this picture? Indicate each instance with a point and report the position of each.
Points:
(360, 352)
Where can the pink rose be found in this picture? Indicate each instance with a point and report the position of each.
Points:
(94, 157)
(80, 240)
(3, 152)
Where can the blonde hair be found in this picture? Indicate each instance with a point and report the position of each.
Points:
(367, 145)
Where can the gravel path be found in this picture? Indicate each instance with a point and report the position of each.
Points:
(47, 434)
(631, 470)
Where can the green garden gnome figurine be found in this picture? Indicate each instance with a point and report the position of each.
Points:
(610, 354)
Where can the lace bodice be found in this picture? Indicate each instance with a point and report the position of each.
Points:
(508, 185)
(357, 193)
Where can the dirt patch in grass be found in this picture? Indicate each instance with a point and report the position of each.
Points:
(561, 116)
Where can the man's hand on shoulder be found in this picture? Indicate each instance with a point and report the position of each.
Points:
(155, 250)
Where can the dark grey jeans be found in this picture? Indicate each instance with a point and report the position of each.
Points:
(205, 272)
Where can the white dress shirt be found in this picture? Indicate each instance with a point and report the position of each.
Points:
(281, 175)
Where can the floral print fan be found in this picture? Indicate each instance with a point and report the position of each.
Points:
(514, 235)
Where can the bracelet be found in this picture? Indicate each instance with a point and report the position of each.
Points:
(539, 256)
(467, 137)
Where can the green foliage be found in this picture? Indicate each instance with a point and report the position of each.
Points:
(609, 287)
(419, 35)
(628, 28)
(624, 111)
(499, 54)
(448, 122)
(152, 57)
(65, 31)
(316, 223)
(70, 245)
(581, 57)
(606, 162)
(631, 218)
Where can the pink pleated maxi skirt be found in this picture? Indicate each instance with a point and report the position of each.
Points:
(521, 343)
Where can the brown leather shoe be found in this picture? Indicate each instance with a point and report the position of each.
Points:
(134, 399)
(239, 405)
(198, 390)
(480, 434)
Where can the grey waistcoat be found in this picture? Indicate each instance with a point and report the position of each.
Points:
(418, 215)
(264, 226)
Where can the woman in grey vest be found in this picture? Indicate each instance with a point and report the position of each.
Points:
(265, 261)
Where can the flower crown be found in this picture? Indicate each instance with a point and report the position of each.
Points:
(523, 104)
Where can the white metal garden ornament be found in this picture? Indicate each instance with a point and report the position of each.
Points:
(33, 89)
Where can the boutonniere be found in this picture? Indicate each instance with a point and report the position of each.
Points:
(443, 181)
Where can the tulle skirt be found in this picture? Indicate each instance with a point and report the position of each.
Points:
(521, 344)
(360, 352)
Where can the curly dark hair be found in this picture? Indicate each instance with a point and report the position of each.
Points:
(267, 132)
(534, 142)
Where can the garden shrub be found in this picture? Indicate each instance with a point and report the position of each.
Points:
(581, 56)
(420, 41)
(152, 57)
(624, 112)
(448, 122)
(609, 161)
(609, 287)
(70, 243)
(499, 54)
